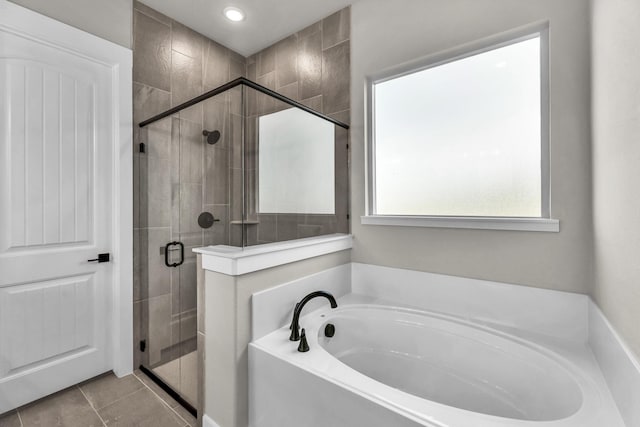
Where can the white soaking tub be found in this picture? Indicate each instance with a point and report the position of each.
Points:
(389, 366)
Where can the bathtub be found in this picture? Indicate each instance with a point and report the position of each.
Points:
(390, 366)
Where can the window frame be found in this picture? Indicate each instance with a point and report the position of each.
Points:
(542, 223)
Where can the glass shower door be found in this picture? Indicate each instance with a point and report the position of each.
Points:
(188, 171)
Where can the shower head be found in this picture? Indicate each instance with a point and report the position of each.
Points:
(212, 136)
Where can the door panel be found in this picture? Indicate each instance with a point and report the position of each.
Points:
(55, 196)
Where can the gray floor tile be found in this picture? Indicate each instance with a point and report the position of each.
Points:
(68, 408)
(157, 390)
(186, 415)
(141, 408)
(107, 389)
(11, 419)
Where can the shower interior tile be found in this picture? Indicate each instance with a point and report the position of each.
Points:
(186, 41)
(251, 71)
(290, 91)
(216, 117)
(159, 335)
(236, 141)
(155, 192)
(315, 103)
(310, 65)
(148, 101)
(267, 228)
(151, 12)
(190, 207)
(336, 28)
(307, 230)
(217, 176)
(192, 145)
(218, 234)
(153, 270)
(186, 78)
(266, 61)
(152, 52)
(188, 284)
(316, 27)
(192, 114)
(216, 65)
(237, 192)
(235, 100)
(287, 61)
(236, 68)
(335, 88)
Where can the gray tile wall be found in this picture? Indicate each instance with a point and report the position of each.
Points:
(311, 66)
(179, 176)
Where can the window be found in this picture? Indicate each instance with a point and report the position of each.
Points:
(296, 163)
(464, 137)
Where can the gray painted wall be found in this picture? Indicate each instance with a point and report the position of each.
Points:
(383, 35)
(110, 19)
(616, 160)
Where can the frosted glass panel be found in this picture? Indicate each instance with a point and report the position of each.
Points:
(296, 163)
(463, 138)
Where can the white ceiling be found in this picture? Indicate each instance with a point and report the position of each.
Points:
(267, 21)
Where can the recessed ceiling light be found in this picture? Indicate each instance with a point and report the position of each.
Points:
(234, 14)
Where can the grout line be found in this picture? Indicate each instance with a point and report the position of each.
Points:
(19, 418)
(91, 405)
(336, 44)
(162, 400)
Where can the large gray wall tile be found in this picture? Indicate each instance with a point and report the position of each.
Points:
(190, 207)
(159, 333)
(187, 41)
(216, 176)
(10, 419)
(216, 65)
(152, 52)
(186, 78)
(336, 28)
(218, 234)
(155, 192)
(151, 12)
(310, 65)
(153, 272)
(148, 101)
(335, 80)
(266, 62)
(192, 145)
(287, 61)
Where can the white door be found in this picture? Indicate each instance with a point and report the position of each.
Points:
(56, 145)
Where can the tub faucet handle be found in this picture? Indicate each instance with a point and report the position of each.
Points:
(303, 347)
(295, 335)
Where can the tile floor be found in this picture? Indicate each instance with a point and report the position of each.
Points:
(181, 375)
(104, 401)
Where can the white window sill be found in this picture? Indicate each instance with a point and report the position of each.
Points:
(479, 223)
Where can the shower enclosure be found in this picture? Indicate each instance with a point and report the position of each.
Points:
(240, 165)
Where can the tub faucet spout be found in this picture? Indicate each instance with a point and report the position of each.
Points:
(295, 333)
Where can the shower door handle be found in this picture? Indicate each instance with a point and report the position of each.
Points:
(166, 254)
